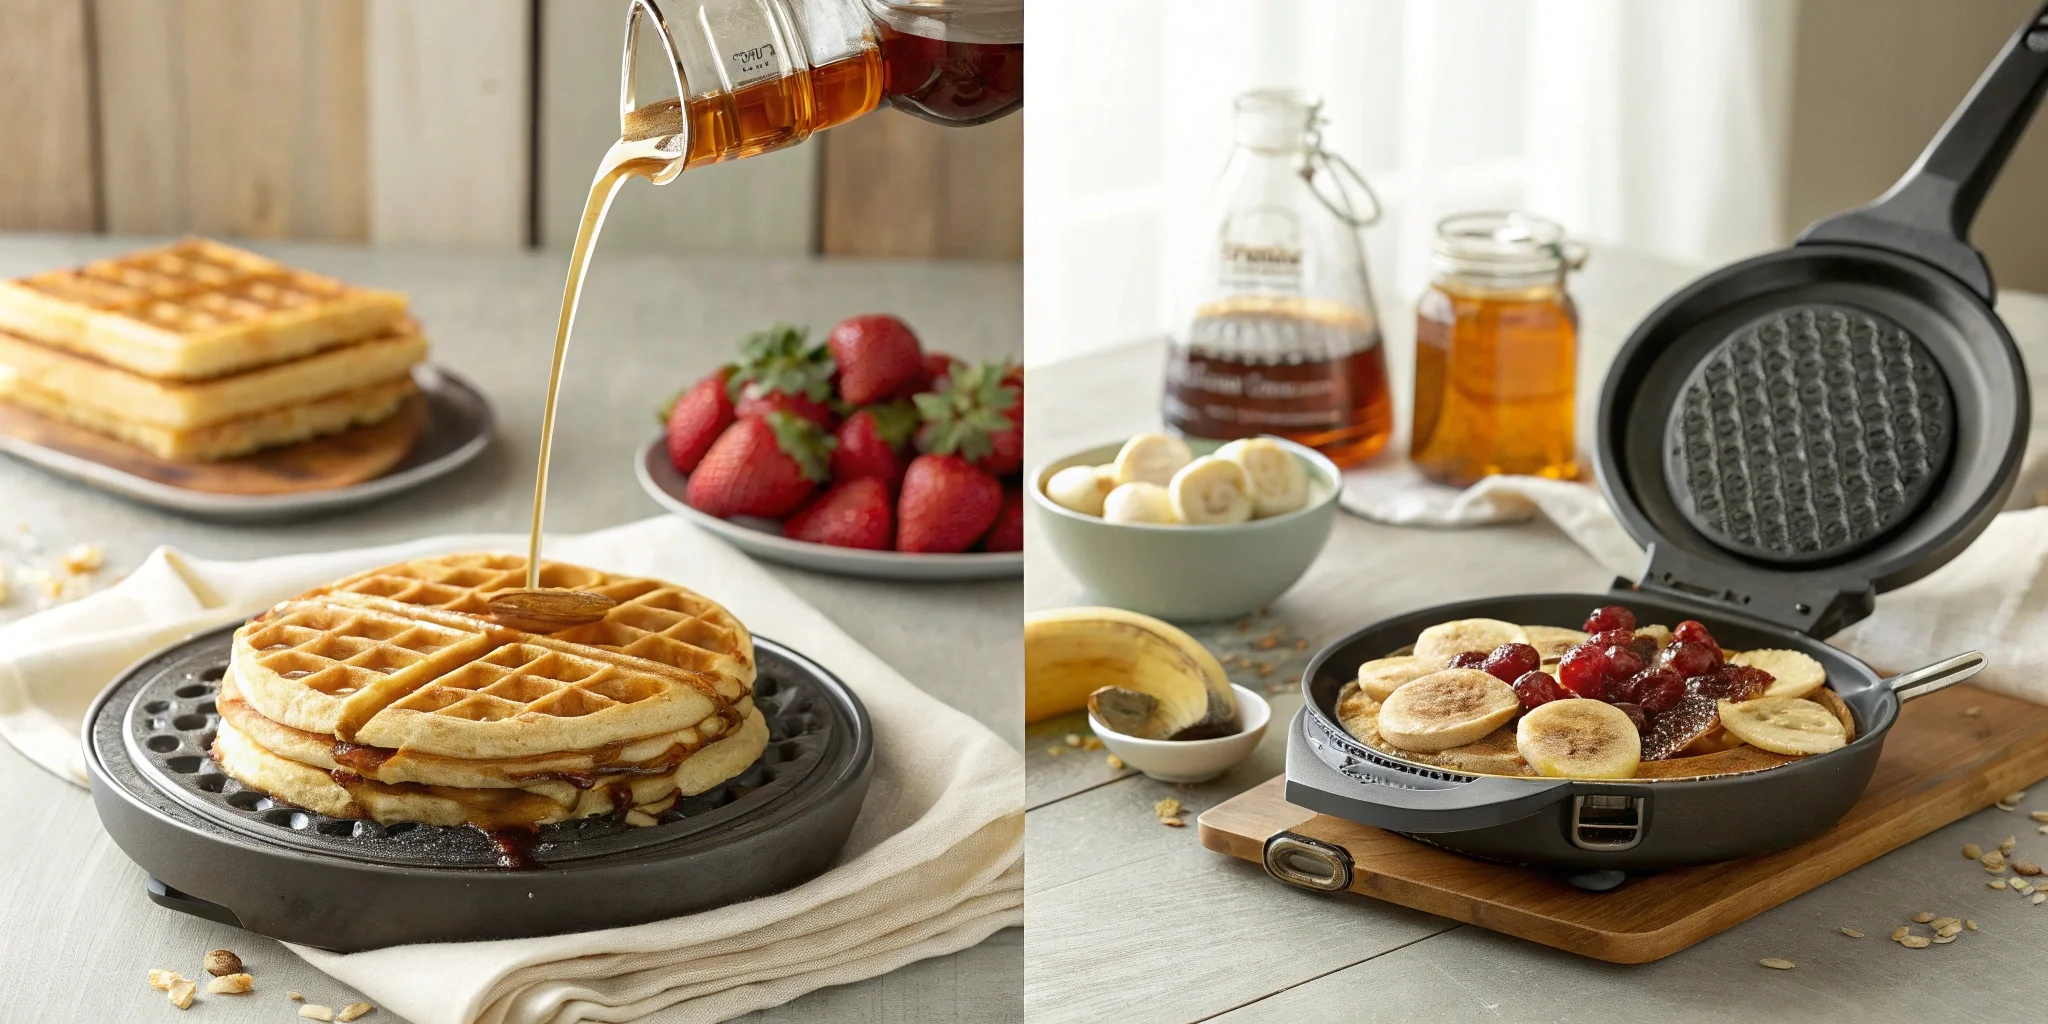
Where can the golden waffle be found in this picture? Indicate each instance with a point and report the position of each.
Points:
(111, 393)
(193, 309)
(406, 658)
(225, 440)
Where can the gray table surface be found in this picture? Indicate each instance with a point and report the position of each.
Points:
(1133, 921)
(77, 934)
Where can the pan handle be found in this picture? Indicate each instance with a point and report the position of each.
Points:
(1927, 214)
(1939, 676)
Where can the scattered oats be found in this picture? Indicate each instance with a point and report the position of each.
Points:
(2039, 898)
(1073, 739)
(352, 1011)
(1993, 860)
(1923, 917)
(181, 993)
(1972, 851)
(1172, 822)
(1948, 931)
(1996, 883)
(2043, 830)
(1167, 808)
(1942, 922)
(1089, 742)
(1970, 926)
(1943, 939)
(2026, 867)
(1776, 964)
(1265, 670)
(1055, 750)
(231, 984)
(2005, 845)
(294, 997)
(317, 1011)
(83, 559)
(222, 962)
(161, 979)
(1915, 941)
(641, 819)
(1899, 934)
(1115, 762)
(2006, 804)
(1851, 932)
(2019, 885)
(1973, 711)
(2039, 815)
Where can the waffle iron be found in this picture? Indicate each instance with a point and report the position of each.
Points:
(215, 849)
(1786, 437)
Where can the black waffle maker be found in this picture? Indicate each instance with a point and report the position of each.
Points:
(215, 849)
(1786, 437)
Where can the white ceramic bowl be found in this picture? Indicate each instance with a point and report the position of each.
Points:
(1192, 760)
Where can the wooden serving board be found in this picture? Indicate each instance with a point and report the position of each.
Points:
(1941, 762)
(323, 463)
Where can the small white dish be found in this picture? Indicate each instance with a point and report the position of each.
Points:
(1192, 760)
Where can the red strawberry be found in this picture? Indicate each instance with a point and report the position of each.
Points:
(1008, 532)
(937, 367)
(853, 514)
(869, 440)
(779, 370)
(760, 466)
(877, 356)
(695, 419)
(946, 505)
(975, 414)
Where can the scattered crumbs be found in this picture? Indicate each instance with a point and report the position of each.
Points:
(231, 984)
(83, 559)
(161, 979)
(353, 1010)
(1172, 822)
(181, 993)
(1776, 964)
(1970, 925)
(1923, 917)
(1265, 670)
(1115, 762)
(1055, 750)
(294, 997)
(1073, 739)
(1167, 808)
(1973, 711)
(1996, 883)
(1972, 851)
(317, 1011)
(1851, 932)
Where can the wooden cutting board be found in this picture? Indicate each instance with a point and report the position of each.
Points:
(1951, 754)
(323, 463)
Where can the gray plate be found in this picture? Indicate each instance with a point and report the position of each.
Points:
(458, 428)
(763, 538)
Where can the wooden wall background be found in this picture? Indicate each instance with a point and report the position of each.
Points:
(463, 122)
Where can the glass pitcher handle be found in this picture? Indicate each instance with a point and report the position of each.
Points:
(1341, 205)
(628, 62)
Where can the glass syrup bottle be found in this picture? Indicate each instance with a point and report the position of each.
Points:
(1279, 333)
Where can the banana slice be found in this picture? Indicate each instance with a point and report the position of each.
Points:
(1551, 641)
(1279, 482)
(1448, 708)
(1211, 492)
(1832, 701)
(1660, 634)
(1151, 459)
(1080, 489)
(1446, 640)
(1380, 677)
(1139, 503)
(1784, 725)
(1579, 739)
(1792, 674)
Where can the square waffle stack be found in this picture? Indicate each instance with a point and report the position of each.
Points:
(199, 351)
(396, 695)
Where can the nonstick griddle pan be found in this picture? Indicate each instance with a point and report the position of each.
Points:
(1787, 437)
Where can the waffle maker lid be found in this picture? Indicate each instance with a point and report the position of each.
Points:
(1836, 431)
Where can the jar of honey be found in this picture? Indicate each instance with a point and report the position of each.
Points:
(1496, 352)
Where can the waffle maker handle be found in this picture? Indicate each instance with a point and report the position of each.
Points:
(1927, 214)
(1385, 799)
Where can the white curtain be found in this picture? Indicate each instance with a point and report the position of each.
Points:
(1658, 126)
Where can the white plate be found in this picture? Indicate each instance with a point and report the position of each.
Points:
(458, 428)
(763, 538)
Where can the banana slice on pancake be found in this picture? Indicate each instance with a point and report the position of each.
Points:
(1211, 492)
(1793, 674)
(1446, 640)
(1659, 633)
(1151, 459)
(1579, 739)
(1447, 708)
(1551, 641)
(1380, 677)
(1784, 725)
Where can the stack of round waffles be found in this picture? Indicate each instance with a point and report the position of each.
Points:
(396, 695)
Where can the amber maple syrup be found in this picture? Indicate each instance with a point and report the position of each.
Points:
(1494, 384)
(1242, 372)
(946, 81)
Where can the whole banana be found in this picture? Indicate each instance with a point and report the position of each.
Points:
(1070, 653)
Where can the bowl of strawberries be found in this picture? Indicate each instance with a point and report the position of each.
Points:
(864, 454)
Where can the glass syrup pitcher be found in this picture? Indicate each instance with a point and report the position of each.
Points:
(757, 75)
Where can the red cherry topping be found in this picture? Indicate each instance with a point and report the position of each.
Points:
(1690, 660)
(1510, 662)
(1584, 671)
(1656, 689)
(1625, 660)
(1537, 689)
(1636, 715)
(1608, 617)
(1693, 632)
(1612, 638)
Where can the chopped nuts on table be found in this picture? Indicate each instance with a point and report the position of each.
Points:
(294, 996)
(181, 993)
(1972, 851)
(222, 962)
(1168, 811)
(1923, 917)
(1115, 762)
(231, 984)
(1915, 941)
(161, 979)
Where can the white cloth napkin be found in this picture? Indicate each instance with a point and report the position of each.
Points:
(1992, 598)
(934, 864)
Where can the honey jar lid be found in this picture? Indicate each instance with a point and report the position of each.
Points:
(1505, 243)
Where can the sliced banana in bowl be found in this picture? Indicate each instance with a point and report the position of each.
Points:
(1277, 480)
(1152, 459)
(1081, 488)
(1445, 709)
(1211, 492)
(1139, 502)
(1446, 640)
(1579, 739)
(1784, 725)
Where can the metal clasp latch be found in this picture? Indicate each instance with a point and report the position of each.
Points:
(1309, 863)
(1607, 822)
